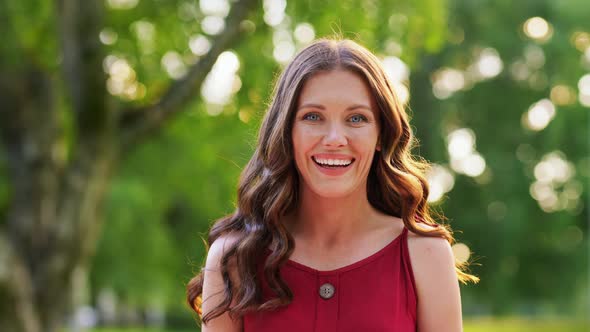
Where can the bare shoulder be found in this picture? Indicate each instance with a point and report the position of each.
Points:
(437, 285)
(214, 286)
(430, 256)
(429, 248)
(218, 249)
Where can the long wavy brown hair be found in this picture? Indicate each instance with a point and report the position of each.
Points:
(268, 187)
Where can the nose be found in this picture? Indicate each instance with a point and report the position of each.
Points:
(335, 136)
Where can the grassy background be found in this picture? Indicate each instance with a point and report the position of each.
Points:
(524, 325)
(470, 325)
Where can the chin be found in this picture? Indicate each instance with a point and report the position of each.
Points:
(333, 191)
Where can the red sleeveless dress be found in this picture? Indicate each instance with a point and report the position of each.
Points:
(376, 293)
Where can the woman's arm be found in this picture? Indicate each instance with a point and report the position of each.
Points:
(213, 289)
(439, 300)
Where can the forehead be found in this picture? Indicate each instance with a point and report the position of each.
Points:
(336, 87)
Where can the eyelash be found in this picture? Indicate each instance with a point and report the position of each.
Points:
(306, 116)
(362, 117)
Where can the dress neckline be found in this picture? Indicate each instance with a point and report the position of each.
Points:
(350, 266)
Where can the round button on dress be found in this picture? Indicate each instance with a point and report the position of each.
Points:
(326, 291)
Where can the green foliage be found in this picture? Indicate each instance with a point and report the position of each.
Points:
(521, 325)
(520, 252)
(31, 28)
(162, 203)
(135, 233)
(4, 190)
(416, 26)
(170, 190)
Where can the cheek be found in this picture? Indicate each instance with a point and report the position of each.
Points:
(300, 146)
(301, 139)
(365, 140)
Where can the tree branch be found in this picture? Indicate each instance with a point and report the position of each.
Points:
(10, 48)
(80, 23)
(137, 124)
(28, 129)
(16, 276)
(10, 117)
(79, 26)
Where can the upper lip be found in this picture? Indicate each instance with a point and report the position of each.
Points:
(337, 156)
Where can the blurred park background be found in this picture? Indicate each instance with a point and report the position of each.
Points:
(124, 125)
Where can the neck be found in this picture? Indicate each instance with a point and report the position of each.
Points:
(329, 222)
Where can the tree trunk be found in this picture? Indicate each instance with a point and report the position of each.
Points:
(53, 218)
(39, 287)
(51, 225)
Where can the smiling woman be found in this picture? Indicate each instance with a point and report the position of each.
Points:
(332, 231)
(335, 133)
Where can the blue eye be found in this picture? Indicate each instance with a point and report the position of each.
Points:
(311, 117)
(358, 118)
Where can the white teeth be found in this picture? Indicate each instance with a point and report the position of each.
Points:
(338, 162)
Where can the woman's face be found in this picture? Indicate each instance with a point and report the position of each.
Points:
(335, 133)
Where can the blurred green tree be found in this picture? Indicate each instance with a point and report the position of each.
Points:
(511, 85)
(63, 136)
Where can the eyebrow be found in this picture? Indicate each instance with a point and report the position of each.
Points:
(322, 107)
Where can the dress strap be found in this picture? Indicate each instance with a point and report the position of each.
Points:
(404, 235)
(408, 271)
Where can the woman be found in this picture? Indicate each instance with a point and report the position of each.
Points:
(332, 230)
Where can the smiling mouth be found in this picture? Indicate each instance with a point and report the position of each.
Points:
(333, 163)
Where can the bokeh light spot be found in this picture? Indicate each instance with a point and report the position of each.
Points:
(220, 84)
(562, 95)
(284, 51)
(539, 115)
(538, 28)
(274, 11)
(489, 64)
(440, 181)
(212, 25)
(461, 252)
(447, 81)
(108, 36)
(174, 65)
(304, 33)
(122, 4)
(214, 7)
(199, 45)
